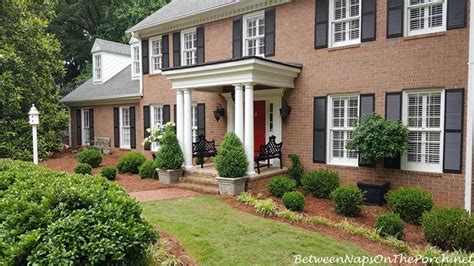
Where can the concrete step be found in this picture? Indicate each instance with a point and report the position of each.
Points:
(198, 172)
(213, 190)
(205, 181)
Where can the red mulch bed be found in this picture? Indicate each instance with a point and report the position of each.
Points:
(66, 161)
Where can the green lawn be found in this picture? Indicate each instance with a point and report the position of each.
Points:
(212, 232)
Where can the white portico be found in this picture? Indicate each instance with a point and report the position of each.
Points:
(243, 74)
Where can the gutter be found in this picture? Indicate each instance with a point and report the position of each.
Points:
(470, 116)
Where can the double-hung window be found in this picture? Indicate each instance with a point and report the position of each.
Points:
(125, 127)
(136, 61)
(156, 55)
(86, 127)
(189, 45)
(425, 16)
(194, 122)
(345, 22)
(254, 34)
(423, 114)
(156, 119)
(343, 113)
(97, 67)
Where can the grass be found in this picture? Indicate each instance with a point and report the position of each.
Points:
(214, 233)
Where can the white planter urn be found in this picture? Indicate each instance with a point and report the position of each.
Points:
(169, 176)
(231, 186)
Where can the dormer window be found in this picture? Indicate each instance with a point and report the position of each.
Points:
(189, 45)
(156, 55)
(254, 34)
(136, 68)
(97, 67)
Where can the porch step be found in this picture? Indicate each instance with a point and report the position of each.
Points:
(199, 180)
(206, 172)
(213, 190)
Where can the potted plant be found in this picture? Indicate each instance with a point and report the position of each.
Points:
(156, 134)
(376, 139)
(169, 158)
(231, 163)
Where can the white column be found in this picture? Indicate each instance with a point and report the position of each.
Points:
(180, 118)
(470, 119)
(35, 145)
(239, 112)
(249, 134)
(188, 141)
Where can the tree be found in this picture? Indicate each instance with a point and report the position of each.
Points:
(30, 61)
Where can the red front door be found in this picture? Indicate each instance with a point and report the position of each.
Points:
(259, 123)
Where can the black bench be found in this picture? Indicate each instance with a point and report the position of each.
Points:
(204, 148)
(271, 150)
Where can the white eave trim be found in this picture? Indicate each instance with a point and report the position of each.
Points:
(104, 100)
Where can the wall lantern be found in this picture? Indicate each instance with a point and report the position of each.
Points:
(285, 110)
(219, 112)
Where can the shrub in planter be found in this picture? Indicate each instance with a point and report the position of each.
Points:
(130, 162)
(449, 229)
(348, 200)
(321, 183)
(296, 170)
(109, 172)
(293, 200)
(51, 218)
(278, 185)
(83, 168)
(389, 224)
(90, 156)
(147, 169)
(231, 160)
(170, 156)
(410, 203)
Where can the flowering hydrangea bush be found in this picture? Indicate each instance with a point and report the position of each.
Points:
(157, 132)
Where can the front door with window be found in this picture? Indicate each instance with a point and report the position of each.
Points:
(125, 128)
(259, 124)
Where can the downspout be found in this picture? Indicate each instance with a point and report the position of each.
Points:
(470, 116)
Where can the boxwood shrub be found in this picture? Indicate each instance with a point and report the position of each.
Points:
(231, 160)
(389, 224)
(170, 156)
(147, 169)
(321, 183)
(293, 200)
(83, 168)
(278, 185)
(90, 156)
(109, 172)
(410, 203)
(130, 162)
(51, 218)
(348, 200)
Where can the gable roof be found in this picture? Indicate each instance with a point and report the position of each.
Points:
(179, 9)
(109, 46)
(119, 86)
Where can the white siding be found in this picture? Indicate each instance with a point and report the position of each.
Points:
(112, 64)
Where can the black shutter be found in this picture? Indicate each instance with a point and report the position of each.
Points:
(393, 112)
(176, 49)
(166, 113)
(201, 119)
(367, 105)
(174, 117)
(116, 127)
(457, 13)
(369, 20)
(146, 124)
(79, 127)
(201, 40)
(237, 38)
(165, 51)
(395, 10)
(270, 32)
(133, 131)
(145, 57)
(319, 130)
(453, 130)
(91, 125)
(321, 27)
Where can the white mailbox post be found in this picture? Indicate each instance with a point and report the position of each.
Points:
(34, 121)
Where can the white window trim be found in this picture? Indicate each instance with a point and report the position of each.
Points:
(183, 32)
(155, 146)
(426, 30)
(135, 74)
(329, 109)
(83, 126)
(122, 146)
(101, 68)
(156, 38)
(405, 165)
(332, 43)
(244, 32)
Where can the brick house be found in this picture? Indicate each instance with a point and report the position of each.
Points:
(329, 60)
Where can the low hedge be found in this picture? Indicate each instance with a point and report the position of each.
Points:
(410, 203)
(109, 172)
(279, 185)
(389, 224)
(348, 200)
(293, 200)
(130, 162)
(51, 218)
(90, 156)
(83, 168)
(321, 183)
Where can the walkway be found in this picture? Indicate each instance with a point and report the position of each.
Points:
(162, 194)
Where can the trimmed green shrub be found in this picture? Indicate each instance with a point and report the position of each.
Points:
(90, 156)
(51, 218)
(348, 200)
(321, 183)
(147, 169)
(296, 170)
(83, 168)
(170, 156)
(109, 172)
(278, 185)
(410, 203)
(449, 229)
(231, 160)
(130, 162)
(293, 200)
(389, 224)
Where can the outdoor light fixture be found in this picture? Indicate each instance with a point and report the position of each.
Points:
(219, 112)
(285, 110)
